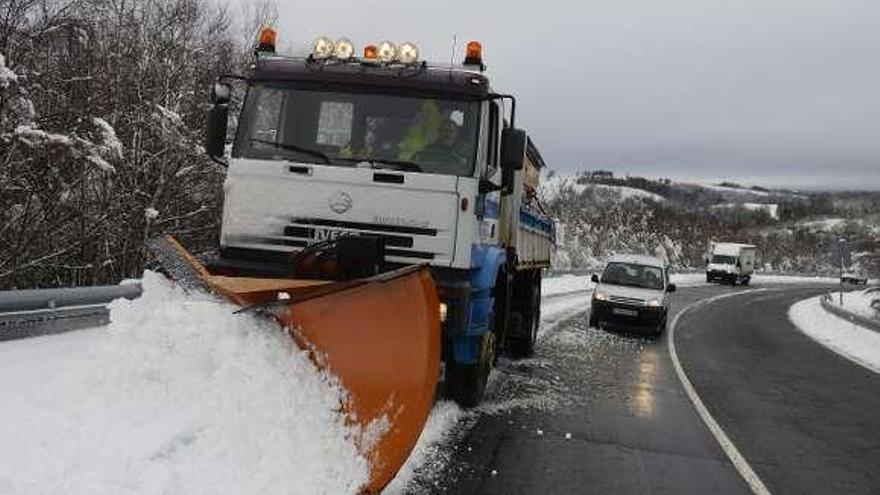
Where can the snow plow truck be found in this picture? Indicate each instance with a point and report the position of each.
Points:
(383, 210)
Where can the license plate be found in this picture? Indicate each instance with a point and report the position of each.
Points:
(624, 312)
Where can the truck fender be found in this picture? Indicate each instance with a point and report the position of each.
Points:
(486, 261)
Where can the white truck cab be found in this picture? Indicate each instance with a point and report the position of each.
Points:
(730, 263)
(377, 162)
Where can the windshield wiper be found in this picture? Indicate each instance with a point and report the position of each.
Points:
(293, 147)
(404, 165)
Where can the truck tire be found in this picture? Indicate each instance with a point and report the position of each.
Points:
(466, 383)
(593, 322)
(746, 280)
(525, 321)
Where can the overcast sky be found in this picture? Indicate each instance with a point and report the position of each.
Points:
(771, 92)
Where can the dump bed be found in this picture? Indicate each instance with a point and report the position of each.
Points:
(535, 239)
(536, 233)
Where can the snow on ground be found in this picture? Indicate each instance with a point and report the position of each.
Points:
(176, 396)
(771, 209)
(734, 190)
(551, 188)
(859, 302)
(852, 341)
(564, 284)
(823, 225)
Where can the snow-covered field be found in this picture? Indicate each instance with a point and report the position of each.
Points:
(176, 396)
(852, 341)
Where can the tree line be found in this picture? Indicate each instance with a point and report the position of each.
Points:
(102, 114)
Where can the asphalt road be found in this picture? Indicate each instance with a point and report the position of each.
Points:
(806, 419)
(599, 412)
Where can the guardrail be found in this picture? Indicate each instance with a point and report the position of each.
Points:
(30, 313)
(858, 319)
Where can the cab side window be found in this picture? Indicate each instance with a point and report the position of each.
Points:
(492, 155)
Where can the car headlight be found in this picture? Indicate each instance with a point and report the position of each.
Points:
(600, 296)
(654, 303)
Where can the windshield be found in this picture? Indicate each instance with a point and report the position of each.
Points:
(633, 275)
(723, 259)
(348, 129)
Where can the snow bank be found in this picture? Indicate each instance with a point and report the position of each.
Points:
(176, 396)
(860, 303)
(851, 341)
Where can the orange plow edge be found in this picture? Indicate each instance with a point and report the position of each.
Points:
(380, 336)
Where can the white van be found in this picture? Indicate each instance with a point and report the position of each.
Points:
(633, 292)
(731, 263)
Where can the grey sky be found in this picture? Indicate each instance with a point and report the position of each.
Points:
(775, 92)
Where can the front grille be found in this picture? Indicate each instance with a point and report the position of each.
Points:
(303, 230)
(632, 301)
(400, 229)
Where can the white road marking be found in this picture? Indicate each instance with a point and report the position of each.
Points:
(739, 462)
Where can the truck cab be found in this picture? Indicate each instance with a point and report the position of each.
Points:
(390, 161)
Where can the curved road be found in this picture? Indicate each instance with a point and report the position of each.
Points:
(806, 419)
(598, 412)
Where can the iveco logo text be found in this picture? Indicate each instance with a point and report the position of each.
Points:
(340, 202)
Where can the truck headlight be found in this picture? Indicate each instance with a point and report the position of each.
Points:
(600, 296)
(653, 303)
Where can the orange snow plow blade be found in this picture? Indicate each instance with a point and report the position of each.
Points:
(380, 336)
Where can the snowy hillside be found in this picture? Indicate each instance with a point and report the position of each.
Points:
(558, 184)
(677, 220)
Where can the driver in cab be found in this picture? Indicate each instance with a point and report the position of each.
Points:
(444, 149)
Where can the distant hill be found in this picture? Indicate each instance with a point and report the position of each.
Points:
(601, 214)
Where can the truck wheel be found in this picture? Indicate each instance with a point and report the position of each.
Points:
(466, 383)
(746, 280)
(594, 322)
(525, 324)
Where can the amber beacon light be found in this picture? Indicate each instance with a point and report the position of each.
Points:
(267, 39)
(474, 54)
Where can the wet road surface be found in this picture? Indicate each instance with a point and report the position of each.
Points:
(592, 412)
(600, 412)
(806, 419)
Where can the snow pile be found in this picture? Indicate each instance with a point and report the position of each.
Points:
(176, 396)
(851, 341)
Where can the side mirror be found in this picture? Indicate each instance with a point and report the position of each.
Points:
(513, 152)
(594, 279)
(218, 122)
(671, 288)
(513, 148)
